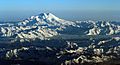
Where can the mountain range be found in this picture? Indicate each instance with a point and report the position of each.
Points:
(59, 42)
(47, 25)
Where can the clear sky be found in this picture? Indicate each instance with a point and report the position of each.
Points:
(18, 9)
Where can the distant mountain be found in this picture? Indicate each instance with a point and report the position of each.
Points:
(47, 25)
(44, 19)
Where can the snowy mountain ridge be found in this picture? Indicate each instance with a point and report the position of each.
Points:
(46, 25)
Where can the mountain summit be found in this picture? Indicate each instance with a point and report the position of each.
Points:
(49, 16)
(47, 19)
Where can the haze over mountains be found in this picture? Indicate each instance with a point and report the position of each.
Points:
(68, 15)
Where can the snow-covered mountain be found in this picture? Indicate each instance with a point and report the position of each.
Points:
(47, 25)
(41, 26)
(82, 41)
(67, 52)
(44, 19)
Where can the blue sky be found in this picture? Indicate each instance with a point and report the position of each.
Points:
(11, 9)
